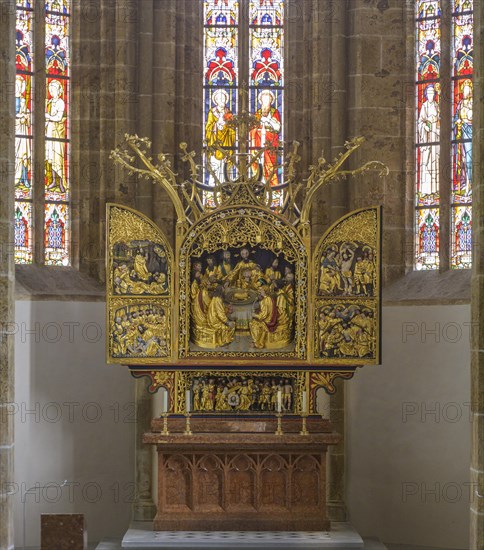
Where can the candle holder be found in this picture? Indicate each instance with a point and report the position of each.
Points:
(304, 430)
(188, 430)
(165, 423)
(279, 423)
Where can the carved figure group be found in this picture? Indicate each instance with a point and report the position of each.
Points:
(348, 269)
(140, 331)
(140, 270)
(245, 393)
(217, 288)
(346, 331)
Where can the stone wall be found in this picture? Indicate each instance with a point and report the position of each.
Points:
(477, 356)
(7, 131)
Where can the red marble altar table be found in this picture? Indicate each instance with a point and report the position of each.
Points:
(237, 474)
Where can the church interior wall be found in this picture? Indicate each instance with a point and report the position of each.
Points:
(408, 431)
(74, 419)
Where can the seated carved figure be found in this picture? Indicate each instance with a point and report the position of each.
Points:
(271, 326)
(215, 329)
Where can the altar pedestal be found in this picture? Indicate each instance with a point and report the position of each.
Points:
(237, 475)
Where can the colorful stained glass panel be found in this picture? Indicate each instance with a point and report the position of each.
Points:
(24, 40)
(220, 97)
(221, 67)
(60, 6)
(266, 79)
(57, 60)
(266, 12)
(461, 6)
(462, 110)
(266, 57)
(427, 241)
(429, 50)
(428, 8)
(23, 232)
(23, 168)
(462, 237)
(221, 12)
(56, 146)
(56, 240)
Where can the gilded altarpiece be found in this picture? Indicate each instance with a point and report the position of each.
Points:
(241, 321)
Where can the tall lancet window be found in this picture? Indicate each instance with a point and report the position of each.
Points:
(444, 134)
(42, 183)
(243, 69)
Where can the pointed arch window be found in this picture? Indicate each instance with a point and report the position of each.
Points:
(444, 175)
(244, 68)
(42, 182)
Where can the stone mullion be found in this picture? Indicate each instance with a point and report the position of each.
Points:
(38, 176)
(378, 72)
(339, 207)
(165, 90)
(339, 130)
(144, 508)
(477, 302)
(243, 79)
(189, 127)
(445, 138)
(126, 90)
(75, 112)
(7, 273)
(410, 174)
(85, 150)
(145, 122)
(319, 105)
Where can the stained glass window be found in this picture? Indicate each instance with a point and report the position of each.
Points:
(24, 61)
(462, 92)
(431, 147)
(221, 41)
(266, 67)
(56, 177)
(227, 24)
(52, 214)
(428, 132)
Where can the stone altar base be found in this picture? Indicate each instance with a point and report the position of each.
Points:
(238, 475)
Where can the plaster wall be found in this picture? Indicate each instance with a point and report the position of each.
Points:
(74, 420)
(408, 431)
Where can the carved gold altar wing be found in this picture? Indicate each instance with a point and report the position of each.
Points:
(241, 289)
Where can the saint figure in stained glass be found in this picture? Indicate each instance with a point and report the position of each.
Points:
(218, 132)
(463, 131)
(267, 134)
(22, 127)
(429, 132)
(55, 130)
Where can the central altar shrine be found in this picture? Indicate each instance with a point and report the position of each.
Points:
(241, 320)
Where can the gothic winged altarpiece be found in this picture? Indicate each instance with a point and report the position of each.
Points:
(241, 317)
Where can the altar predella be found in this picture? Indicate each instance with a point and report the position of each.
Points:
(241, 306)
